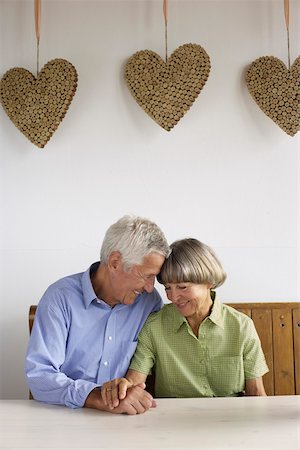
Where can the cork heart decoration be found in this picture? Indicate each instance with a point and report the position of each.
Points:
(37, 105)
(166, 90)
(276, 88)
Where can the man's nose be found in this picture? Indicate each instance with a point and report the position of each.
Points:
(149, 285)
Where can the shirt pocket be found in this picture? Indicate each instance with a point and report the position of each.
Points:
(127, 351)
(226, 375)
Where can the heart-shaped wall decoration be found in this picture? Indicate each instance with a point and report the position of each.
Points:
(276, 90)
(166, 91)
(37, 105)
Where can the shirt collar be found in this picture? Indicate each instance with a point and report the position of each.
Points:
(178, 319)
(215, 316)
(87, 287)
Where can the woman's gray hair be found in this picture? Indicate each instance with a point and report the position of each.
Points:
(134, 238)
(192, 261)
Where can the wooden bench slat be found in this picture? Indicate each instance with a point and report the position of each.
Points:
(283, 352)
(262, 319)
(296, 336)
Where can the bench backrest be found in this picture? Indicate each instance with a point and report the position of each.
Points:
(278, 326)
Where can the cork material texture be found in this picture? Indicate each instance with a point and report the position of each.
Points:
(37, 106)
(276, 90)
(167, 90)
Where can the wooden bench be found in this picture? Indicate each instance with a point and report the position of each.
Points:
(278, 326)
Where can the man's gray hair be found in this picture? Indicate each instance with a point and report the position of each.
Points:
(134, 238)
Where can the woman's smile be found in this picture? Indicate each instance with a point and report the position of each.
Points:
(182, 304)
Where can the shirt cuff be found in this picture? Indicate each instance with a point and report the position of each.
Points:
(78, 393)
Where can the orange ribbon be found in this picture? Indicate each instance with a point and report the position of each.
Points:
(165, 10)
(287, 22)
(37, 17)
(287, 13)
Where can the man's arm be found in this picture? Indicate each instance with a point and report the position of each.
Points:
(255, 387)
(45, 356)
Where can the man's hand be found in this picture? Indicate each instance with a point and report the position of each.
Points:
(137, 401)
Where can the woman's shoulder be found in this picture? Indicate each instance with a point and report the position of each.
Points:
(157, 318)
(233, 316)
(232, 311)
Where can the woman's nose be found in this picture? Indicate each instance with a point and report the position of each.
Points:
(173, 295)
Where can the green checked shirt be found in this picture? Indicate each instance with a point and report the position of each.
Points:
(216, 364)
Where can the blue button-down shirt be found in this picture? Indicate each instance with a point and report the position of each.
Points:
(78, 342)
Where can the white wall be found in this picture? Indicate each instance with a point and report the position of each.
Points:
(225, 174)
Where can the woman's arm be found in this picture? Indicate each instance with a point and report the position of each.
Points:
(255, 386)
(115, 390)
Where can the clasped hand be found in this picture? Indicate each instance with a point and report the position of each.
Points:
(133, 399)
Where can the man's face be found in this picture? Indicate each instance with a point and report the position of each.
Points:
(140, 278)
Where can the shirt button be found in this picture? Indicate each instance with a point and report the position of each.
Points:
(105, 363)
(110, 338)
(205, 386)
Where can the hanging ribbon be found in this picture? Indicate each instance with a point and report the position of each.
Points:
(165, 10)
(287, 23)
(37, 19)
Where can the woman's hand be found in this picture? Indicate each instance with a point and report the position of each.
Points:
(127, 394)
(115, 390)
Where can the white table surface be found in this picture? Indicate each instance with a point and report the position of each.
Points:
(241, 423)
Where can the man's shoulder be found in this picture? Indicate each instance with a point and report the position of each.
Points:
(68, 281)
(62, 289)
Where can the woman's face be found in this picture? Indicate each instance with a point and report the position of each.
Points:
(190, 299)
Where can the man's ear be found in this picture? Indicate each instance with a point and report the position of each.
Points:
(115, 260)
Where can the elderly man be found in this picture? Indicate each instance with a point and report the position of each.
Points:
(86, 325)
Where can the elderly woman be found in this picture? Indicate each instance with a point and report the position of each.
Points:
(197, 346)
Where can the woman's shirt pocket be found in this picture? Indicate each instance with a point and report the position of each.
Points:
(226, 375)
